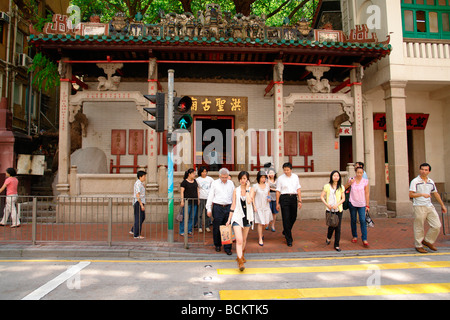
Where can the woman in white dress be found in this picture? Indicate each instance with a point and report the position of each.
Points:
(261, 204)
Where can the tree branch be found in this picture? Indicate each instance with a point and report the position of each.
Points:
(278, 9)
(301, 5)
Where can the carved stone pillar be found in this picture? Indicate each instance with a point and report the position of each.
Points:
(358, 124)
(395, 98)
(152, 135)
(278, 138)
(65, 72)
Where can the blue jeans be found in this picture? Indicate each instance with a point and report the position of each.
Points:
(192, 212)
(362, 221)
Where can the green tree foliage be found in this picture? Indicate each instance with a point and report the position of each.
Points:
(45, 72)
(277, 12)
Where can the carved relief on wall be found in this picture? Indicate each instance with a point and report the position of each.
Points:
(318, 85)
(110, 82)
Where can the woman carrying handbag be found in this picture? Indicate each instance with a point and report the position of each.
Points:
(359, 204)
(333, 196)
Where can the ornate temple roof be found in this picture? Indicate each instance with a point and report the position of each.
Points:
(210, 36)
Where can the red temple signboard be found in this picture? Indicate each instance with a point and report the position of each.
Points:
(306, 147)
(136, 142)
(118, 142)
(290, 143)
(414, 121)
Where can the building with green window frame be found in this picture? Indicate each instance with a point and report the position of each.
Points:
(407, 95)
(426, 19)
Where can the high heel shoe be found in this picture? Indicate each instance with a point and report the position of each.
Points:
(366, 244)
(328, 241)
(240, 263)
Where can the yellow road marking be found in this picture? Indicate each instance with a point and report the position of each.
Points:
(338, 268)
(308, 293)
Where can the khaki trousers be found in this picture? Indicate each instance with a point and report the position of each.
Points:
(422, 213)
(10, 209)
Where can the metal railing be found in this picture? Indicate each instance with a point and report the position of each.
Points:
(103, 220)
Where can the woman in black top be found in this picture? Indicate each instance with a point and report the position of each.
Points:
(190, 193)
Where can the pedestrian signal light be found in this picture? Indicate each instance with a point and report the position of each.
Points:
(182, 112)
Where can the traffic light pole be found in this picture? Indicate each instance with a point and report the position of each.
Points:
(170, 234)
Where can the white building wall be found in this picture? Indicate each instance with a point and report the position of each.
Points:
(425, 67)
(317, 118)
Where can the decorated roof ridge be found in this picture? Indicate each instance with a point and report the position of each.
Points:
(62, 38)
(209, 27)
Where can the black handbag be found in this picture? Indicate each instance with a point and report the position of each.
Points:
(347, 199)
(332, 219)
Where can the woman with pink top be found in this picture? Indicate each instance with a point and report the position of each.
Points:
(359, 204)
(10, 185)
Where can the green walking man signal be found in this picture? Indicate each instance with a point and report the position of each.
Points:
(182, 109)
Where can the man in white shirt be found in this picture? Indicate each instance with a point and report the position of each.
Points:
(420, 191)
(289, 198)
(218, 206)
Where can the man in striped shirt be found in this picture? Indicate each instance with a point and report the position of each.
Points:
(139, 205)
(420, 191)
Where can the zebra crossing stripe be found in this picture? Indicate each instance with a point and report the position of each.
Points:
(310, 293)
(336, 268)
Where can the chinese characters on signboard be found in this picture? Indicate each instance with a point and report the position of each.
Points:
(414, 121)
(219, 105)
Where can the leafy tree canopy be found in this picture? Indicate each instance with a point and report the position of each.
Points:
(277, 12)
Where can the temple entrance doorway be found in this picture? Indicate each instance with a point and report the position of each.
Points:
(214, 142)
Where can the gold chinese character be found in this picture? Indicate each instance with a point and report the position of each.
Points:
(235, 104)
(219, 104)
(206, 104)
(194, 104)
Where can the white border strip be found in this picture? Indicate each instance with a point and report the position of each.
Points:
(40, 292)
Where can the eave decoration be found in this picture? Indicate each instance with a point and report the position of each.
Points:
(210, 24)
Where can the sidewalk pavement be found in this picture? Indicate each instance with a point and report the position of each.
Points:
(309, 238)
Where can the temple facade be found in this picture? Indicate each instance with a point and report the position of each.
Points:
(319, 96)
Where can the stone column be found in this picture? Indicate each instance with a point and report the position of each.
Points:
(278, 133)
(395, 98)
(369, 145)
(152, 135)
(358, 125)
(65, 70)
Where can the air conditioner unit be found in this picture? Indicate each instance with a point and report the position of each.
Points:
(24, 60)
(4, 17)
